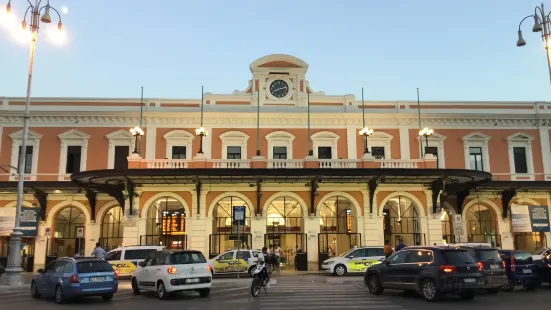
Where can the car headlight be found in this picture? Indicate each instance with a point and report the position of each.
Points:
(329, 263)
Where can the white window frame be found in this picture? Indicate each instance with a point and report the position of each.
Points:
(435, 140)
(476, 139)
(234, 138)
(380, 139)
(280, 138)
(179, 138)
(33, 139)
(118, 138)
(325, 138)
(72, 137)
(521, 139)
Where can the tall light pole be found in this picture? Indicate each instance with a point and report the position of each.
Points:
(13, 270)
(541, 23)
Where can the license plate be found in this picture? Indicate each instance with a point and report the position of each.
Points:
(526, 270)
(192, 281)
(97, 279)
(494, 266)
(469, 280)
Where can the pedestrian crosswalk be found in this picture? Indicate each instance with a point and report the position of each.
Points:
(305, 296)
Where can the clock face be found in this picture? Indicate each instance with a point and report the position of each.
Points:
(279, 88)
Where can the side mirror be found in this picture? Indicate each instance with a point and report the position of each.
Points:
(351, 256)
(386, 262)
(217, 259)
(40, 270)
(141, 264)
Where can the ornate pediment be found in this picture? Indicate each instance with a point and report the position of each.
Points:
(31, 135)
(74, 134)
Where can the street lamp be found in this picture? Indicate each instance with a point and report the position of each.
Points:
(426, 132)
(366, 132)
(13, 270)
(201, 132)
(541, 23)
(137, 132)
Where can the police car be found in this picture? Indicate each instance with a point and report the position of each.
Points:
(355, 260)
(233, 261)
(125, 258)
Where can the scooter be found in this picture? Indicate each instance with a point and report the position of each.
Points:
(260, 277)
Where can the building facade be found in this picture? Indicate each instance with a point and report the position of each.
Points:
(292, 156)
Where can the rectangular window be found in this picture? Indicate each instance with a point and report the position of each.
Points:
(234, 152)
(280, 152)
(121, 157)
(519, 155)
(28, 159)
(434, 151)
(324, 152)
(178, 152)
(378, 152)
(475, 155)
(74, 154)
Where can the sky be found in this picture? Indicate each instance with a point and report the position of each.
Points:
(451, 50)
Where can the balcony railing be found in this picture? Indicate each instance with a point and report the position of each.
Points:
(230, 163)
(285, 163)
(338, 163)
(400, 163)
(167, 164)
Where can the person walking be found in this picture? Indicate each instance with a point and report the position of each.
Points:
(388, 249)
(98, 252)
(277, 252)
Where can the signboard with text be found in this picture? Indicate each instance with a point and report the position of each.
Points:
(458, 225)
(239, 215)
(529, 218)
(29, 221)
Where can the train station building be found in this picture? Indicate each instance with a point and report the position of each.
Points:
(295, 157)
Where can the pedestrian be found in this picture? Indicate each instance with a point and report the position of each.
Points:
(98, 252)
(388, 249)
(277, 252)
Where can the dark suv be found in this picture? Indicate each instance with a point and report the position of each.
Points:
(492, 266)
(430, 270)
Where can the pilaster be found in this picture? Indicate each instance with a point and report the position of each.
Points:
(351, 141)
(258, 229)
(404, 143)
(151, 141)
(312, 229)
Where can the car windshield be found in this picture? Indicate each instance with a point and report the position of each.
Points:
(484, 255)
(458, 257)
(346, 253)
(183, 258)
(522, 257)
(93, 266)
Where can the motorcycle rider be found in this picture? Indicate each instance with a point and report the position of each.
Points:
(268, 260)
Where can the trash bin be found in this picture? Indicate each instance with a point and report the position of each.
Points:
(302, 262)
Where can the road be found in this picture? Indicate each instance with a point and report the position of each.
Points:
(287, 294)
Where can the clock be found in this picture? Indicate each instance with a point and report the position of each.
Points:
(279, 88)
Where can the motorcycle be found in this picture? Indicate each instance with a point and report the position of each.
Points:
(260, 277)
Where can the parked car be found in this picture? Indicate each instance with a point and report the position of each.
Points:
(171, 271)
(541, 254)
(233, 261)
(355, 260)
(543, 268)
(68, 278)
(492, 266)
(431, 271)
(126, 258)
(521, 270)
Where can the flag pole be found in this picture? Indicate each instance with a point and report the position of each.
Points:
(419, 118)
(310, 151)
(258, 124)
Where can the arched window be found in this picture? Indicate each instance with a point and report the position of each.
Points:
(338, 227)
(481, 225)
(225, 233)
(68, 236)
(401, 222)
(166, 224)
(112, 228)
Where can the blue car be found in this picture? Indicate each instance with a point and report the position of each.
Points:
(521, 270)
(68, 278)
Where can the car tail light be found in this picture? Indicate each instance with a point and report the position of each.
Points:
(513, 268)
(209, 269)
(504, 264)
(74, 279)
(117, 274)
(447, 269)
(171, 270)
(480, 265)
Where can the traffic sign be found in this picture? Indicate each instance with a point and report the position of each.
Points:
(80, 232)
(47, 231)
(239, 215)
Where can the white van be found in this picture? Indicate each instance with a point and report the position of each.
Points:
(126, 258)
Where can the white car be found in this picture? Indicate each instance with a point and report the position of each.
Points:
(233, 261)
(355, 260)
(125, 259)
(171, 271)
(541, 253)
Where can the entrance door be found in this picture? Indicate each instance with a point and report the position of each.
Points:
(293, 249)
(329, 242)
(220, 243)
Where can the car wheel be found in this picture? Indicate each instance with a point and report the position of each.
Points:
(468, 294)
(34, 290)
(340, 270)
(59, 296)
(374, 285)
(161, 291)
(107, 297)
(429, 291)
(493, 290)
(135, 288)
(204, 293)
(509, 287)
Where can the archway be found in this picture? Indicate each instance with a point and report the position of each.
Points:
(481, 225)
(111, 234)
(27, 240)
(165, 224)
(338, 227)
(226, 233)
(68, 232)
(285, 229)
(401, 222)
(446, 215)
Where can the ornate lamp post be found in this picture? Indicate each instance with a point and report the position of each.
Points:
(137, 132)
(541, 23)
(201, 131)
(366, 132)
(426, 132)
(33, 12)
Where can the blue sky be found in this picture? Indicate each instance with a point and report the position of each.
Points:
(451, 50)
